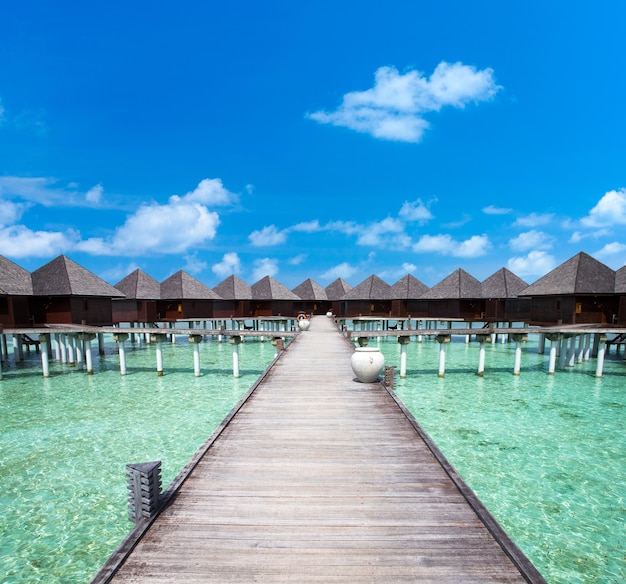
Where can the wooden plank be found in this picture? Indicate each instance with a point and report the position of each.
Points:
(319, 478)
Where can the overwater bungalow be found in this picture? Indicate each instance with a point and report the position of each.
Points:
(16, 292)
(335, 291)
(66, 293)
(502, 303)
(142, 295)
(185, 297)
(372, 297)
(271, 298)
(579, 291)
(235, 298)
(314, 299)
(405, 297)
(459, 295)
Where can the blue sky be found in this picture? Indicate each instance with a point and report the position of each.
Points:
(313, 139)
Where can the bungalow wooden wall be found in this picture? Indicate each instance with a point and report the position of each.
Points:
(228, 308)
(134, 310)
(91, 310)
(15, 311)
(366, 308)
(183, 309)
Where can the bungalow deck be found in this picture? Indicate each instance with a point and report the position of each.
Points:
(315, 477)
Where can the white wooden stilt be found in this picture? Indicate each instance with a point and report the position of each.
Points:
(235, 341)
(443, 340)
(44, 346)
(482, 339)
(404, 343)
(119, 338)
(195, 340)
(600, 359)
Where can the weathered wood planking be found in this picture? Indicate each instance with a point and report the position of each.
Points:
(320, 478)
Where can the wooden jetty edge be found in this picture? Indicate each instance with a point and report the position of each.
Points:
(316, 477)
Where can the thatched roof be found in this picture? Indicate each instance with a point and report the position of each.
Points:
(269, 289)
(64, 277)
(14, 280)
(620, 281)
(503, 284)
(311, 291)
(372, 288)
(234, 288)
(459, 284)
(337, 289)
(581, 274)
(139, 286)
(408, 288)
(182, 286)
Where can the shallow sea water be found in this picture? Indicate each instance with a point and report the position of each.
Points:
(65, 442)
(546, 454)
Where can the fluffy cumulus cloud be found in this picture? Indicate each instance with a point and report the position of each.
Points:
(415, 211)
(386, 233)
(264, 267)
(267, 237)
(343, 271)
(230, 264)
(181, 224)
(18, 241)
(536, 263)
(610, 250)
(394, 108)
(532, 239)
(444, 244)
(493, 210)
(534, 220)
(48, 192)
(609, 210)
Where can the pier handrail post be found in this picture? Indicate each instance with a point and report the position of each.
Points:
(144, 490)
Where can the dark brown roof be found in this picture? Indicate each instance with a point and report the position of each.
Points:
(182, 286)
(14, 280)
(408, 288)
(372, 288)
(581, 274)
(139, 286)
(310, 290)
(269, 289)
(503, 284)
(64, 277)
(620, 281)
(459, 284)
(337, 289)
(234, 288)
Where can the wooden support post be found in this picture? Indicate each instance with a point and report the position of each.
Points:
(443, 340)
(235, 341)
(563, 351)
(518, 338)
(482, 339)
(404, 342)
(158, 338)
(86, 339)
(554, 339)
(601, 352)
(101, 343)
(71, 347)
(195, 340)
(119, 338)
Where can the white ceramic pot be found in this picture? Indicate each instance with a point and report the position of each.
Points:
(304, 324)
(329, 314)
(367, 363)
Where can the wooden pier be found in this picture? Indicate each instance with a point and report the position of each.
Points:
(316, 477)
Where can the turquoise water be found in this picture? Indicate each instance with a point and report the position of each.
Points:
(65, 442)
(546, 454)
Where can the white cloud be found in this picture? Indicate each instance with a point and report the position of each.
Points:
(493, 210)
(536, 263)
(193, 264)
(2, 112)
(267, 236)
(393, 109)
(264, 267)
(609, 210)
(376, 234)
(611, 249)
(534, 220)
(531, 240)
(297, 260)
(230, 264)
(46, 191)
(94, 194)
(475, 246)
(20, 242)
(11, 212)
(307, 226)
(408, 268)
(415, 211)
(343, 270)
(211, 192)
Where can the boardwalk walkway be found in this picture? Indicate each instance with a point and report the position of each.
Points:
(319, 478)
